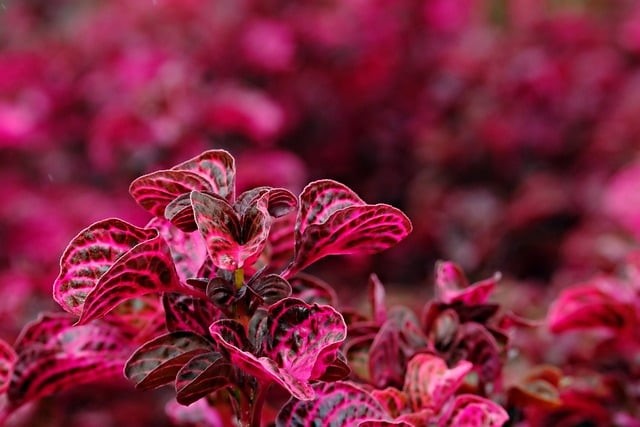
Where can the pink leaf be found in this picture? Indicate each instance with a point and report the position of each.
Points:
(474, 411)
(89, 255)
(202, 375)
(340, 403)
(154, 191)
(188, 250)
(46, 327)
(377, 298)
(333, 220)
(68, 357)
(429, 383)
(7, 360)
(158, 362)
(281, 241)
(585, 307)
(147, 268)
(218, 168)
(452, 285)
(198, 414)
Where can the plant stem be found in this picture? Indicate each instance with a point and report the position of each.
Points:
(238, 277)
(256, 412)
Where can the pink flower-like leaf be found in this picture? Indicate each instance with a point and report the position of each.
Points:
(7, 360)
(470, 410)
(333, 220)
(187, 313)
(453, 286)
(147, 268)
(157, 362)
(336, 404)
(68, 357)
(587, 306)
(203, 374)
(89, 255)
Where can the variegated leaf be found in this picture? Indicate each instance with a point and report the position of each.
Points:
(70, 357)
(271, 288)
(281, 241)
(147, 268)
(154, 191)
(203, 374)
(39, 332)
(158, 362)
(377, 298)
(470, 410)
(335, 404)
(7, 361)
(218, 168)
(334, 221)
(89, 255)
(180, 213)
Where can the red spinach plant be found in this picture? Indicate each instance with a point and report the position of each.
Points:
(210, 292)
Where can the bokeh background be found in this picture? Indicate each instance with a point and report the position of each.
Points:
(507, 130)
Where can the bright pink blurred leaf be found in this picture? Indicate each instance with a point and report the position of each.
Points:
(452, 285)
(474, 411)
(7, 360)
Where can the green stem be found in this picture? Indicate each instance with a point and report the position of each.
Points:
(238, 278)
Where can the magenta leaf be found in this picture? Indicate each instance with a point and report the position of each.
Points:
(147, 268)
(198, 414)
(429, 383)
(158, 362)
(333, 220)
(453, 287)
(68, 357)
(281, 241)
(187, 313)
(203, 374)
(477, 345)
(46, 327)
(218, 168)
(89, 255)
(7, 360)
(377, 298)
(474, 411)
(278, 201)
(154, 191)
(188, 250)
(180, 213)
(586, 307)
(399, 338)
(336, 404)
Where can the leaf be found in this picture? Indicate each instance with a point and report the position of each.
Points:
(336, 404)
(477, 345)
(187, 313)
(278, 201)
(69, 357)
(157, 362)
(188, 250)
(281, 241)
(474, 411)
(453, 287)
(377, 298)
(587, 307)
(271, 288)
(180, 213)
(335, 221)
(147, 268)
(399, 338)
(218, 168)
(198, 414)
(40, 331)
(154, 191)
(203, 374)
(7, 360)
(429, 383)
(89, 255)
(220, 227)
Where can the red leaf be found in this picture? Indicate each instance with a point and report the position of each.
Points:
(474, 411)
(377, 298)
(187, 313)
(203, 374)
(7, 360)
(89, 255)
(452, 285)
(218, 168)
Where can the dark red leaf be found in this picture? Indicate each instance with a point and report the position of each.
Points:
(187, 313)
(203, 374)
(218, 168)
(157, 362)
(271, 288)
